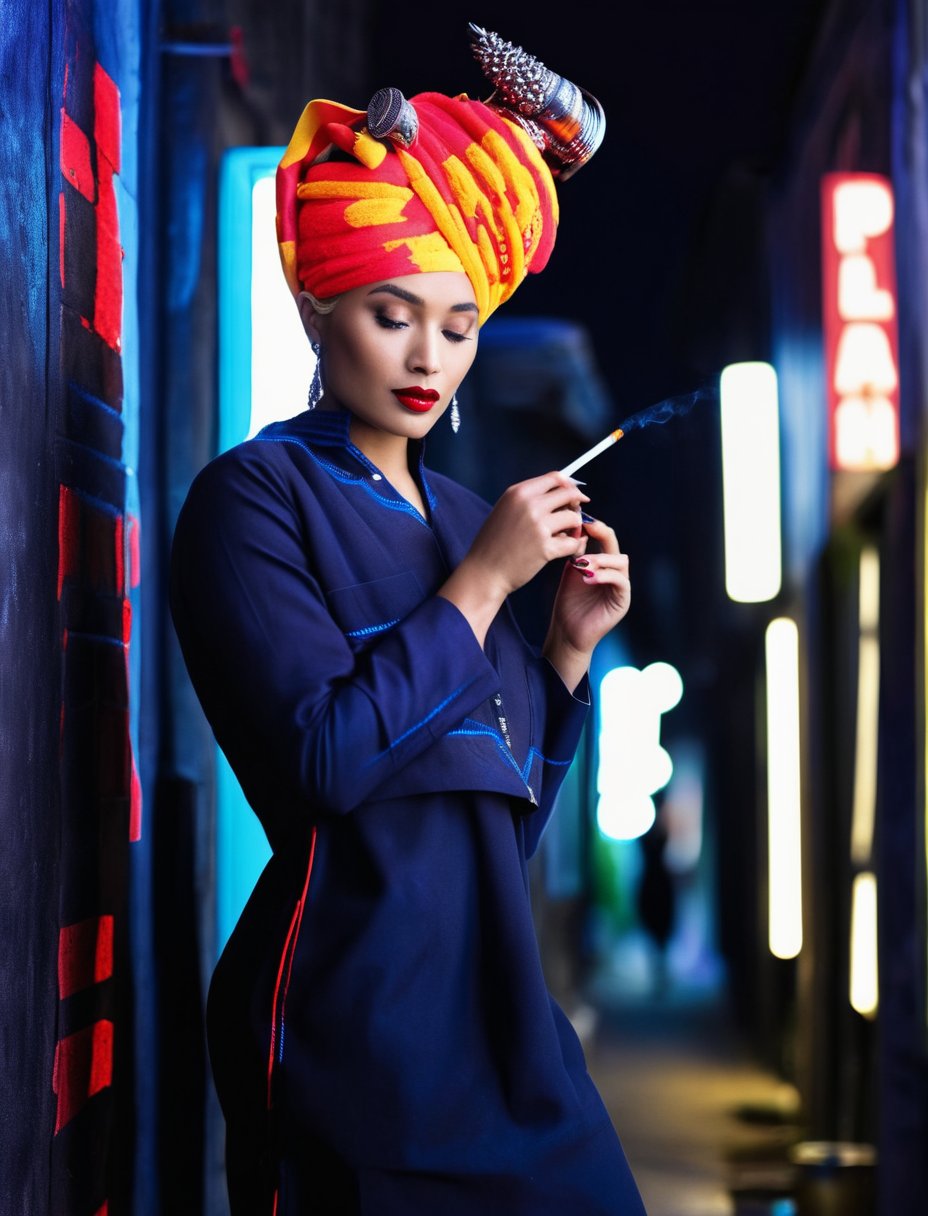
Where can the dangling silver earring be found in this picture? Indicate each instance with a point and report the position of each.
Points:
(316, 388)
(455, 414)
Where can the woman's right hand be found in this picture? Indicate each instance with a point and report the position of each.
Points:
(534, 522)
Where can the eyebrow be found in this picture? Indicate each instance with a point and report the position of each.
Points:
(402, 294)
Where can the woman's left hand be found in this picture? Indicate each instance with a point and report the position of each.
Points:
(594, 595)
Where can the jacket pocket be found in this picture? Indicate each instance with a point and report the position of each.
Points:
(365, 610)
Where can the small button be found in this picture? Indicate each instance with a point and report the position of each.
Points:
(376, 477)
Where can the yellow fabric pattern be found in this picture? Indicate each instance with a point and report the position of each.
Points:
(429, 252)
(368, 212)
(351, 189)
(450, 228)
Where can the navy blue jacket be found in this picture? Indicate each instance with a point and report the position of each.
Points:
(382, 1038)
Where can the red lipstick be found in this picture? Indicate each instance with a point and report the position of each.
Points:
(419, 400)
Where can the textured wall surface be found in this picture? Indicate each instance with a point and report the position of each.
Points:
(69, 791)
(29, 644)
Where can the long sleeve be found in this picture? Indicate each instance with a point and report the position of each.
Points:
(558, 734)
(290, 701)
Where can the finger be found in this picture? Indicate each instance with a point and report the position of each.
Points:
(566, 520)
(603, 534)
(545, 483)
(610, 561)
(563, 545)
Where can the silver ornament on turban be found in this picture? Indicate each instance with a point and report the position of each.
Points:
(564, 122)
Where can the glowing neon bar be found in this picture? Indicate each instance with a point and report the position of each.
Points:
(868, 709)
(784, 816)
(859, 321)
(751, 482)
(864, 978)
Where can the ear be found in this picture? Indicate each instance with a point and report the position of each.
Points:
(313, 322)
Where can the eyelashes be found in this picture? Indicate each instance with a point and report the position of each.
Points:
(385, 321)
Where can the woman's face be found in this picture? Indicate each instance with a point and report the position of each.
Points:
(394, 352)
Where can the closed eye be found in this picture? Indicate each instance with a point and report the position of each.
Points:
(386, 322)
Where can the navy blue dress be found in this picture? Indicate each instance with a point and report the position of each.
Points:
(381, 1034)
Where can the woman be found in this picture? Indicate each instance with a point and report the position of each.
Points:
(381, 1034)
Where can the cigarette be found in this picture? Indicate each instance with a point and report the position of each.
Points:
(593, 452)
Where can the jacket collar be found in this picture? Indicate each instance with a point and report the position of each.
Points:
(329, 429)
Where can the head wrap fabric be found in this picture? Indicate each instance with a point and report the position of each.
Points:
(472, 194)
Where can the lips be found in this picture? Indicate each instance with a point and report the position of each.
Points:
(419, 400)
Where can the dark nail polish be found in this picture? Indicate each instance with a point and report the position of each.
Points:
(580, 561)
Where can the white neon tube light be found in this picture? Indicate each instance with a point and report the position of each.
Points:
(751, 481)
(784, 818)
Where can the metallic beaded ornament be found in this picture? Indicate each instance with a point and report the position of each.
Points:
(564, 122)
(390, 116)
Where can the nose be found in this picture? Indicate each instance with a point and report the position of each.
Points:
(423, 354)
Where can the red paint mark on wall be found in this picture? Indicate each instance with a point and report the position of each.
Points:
(85, 954)
(83, 1067)
(69, 535)
(106, 116)
(61, 217)
(107, 314)
(119, 555)
(135, 806)
(135, 556)
(76, 165)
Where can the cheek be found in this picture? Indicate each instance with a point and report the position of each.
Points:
(467, 353)
(356, 361)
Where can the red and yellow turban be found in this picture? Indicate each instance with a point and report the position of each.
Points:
(471, 194)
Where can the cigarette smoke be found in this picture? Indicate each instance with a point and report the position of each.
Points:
(670, 407)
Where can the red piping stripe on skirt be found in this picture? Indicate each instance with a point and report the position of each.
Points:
(286, 963)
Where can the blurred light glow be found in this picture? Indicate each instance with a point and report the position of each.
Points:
(863, 209)
(632, 763)
(859, 320)
(281, 359)
(751, 481)
(265, 362)
(683, 810)
(868, 705)
(784, 817)
(864, 977)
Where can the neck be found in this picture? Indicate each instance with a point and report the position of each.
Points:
(390, 453)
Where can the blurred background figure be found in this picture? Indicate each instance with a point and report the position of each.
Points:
(656, 902)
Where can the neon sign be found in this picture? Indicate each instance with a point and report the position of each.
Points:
(859, 313)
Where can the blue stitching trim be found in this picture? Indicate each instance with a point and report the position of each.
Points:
(418, 726)
(488, 732)
(343, 477)
(532, 752)
(360, 633)
(280, 1054)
